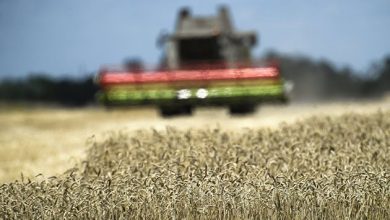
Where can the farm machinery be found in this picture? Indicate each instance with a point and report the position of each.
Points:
(206, 62)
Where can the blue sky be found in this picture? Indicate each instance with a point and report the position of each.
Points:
(73, 37)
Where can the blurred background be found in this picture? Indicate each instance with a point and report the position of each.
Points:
(51, 50)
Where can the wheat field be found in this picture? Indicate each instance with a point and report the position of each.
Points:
(321, 167)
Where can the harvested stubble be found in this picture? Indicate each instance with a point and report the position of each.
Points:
(321, 168)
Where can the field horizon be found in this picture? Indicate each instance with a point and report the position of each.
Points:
(41, 140)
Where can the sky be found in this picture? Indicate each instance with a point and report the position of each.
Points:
(77, 37)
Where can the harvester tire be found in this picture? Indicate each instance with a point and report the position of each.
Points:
(241, 109)
(171, 111)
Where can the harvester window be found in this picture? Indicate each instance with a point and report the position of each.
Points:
(199, 50)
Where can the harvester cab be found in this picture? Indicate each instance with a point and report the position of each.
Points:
(206, 62)
(203, 41)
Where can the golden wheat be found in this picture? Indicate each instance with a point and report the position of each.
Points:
(320, 168)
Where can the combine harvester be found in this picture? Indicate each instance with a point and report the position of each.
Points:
(206, 62)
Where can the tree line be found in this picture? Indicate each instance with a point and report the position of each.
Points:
(321, 80)
(313, 81)
(41, 88)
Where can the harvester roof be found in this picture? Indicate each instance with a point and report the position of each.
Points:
(191, 26)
